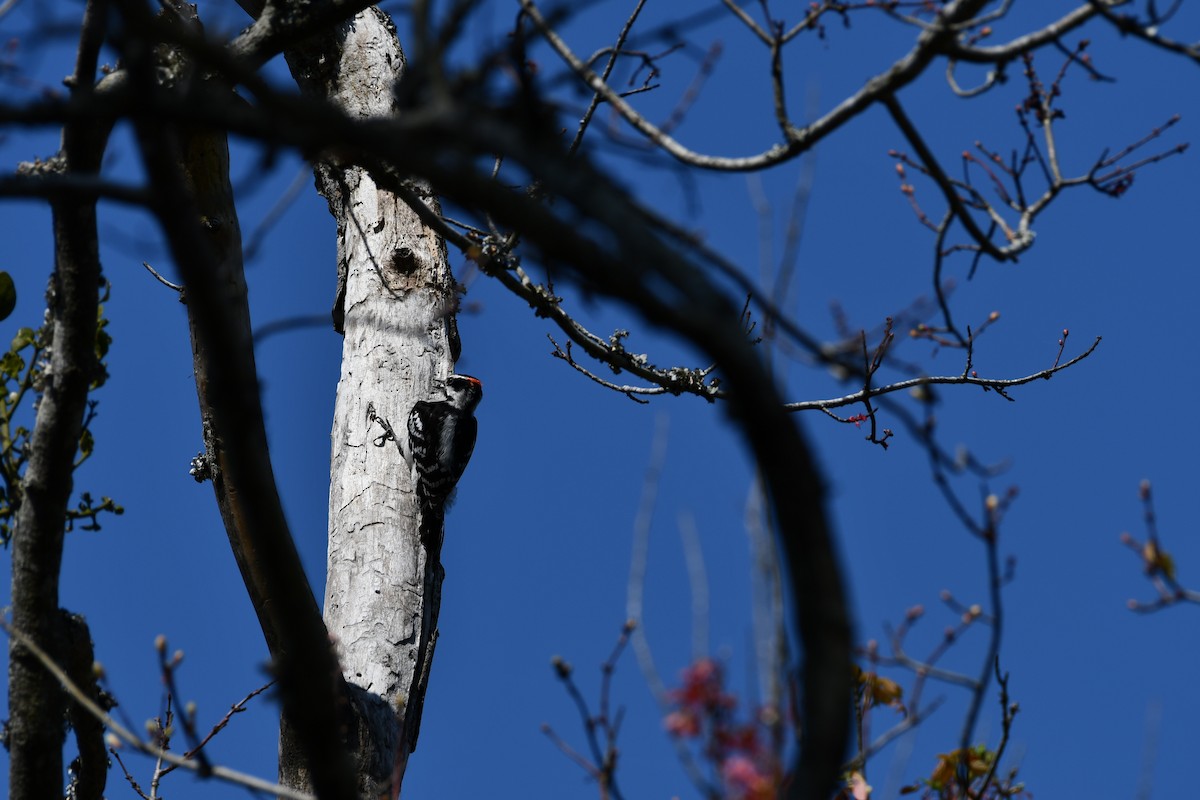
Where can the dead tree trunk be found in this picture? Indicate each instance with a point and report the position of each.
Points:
(395, 306)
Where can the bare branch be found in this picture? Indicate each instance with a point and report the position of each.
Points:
(1148, 32)
(994, 384)
(32, 181)
(126, 736)
(930, 43)
(1053, 32)
(173, 286)
(608, 68)
(943, 181)
(1157, 563)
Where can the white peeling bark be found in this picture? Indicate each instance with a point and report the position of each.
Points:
(382, 593)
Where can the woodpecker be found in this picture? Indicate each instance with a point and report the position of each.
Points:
(441, 436)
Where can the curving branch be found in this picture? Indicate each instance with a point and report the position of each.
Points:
(658, 281)
(187, 169)
(1048, 34)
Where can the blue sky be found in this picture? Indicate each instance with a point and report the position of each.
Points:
(538, 544)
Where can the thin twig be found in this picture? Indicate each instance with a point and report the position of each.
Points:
(174, 286)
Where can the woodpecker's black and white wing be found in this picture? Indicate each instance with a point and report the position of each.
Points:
(459, 442)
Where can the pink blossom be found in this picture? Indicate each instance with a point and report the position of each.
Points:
(682, 723)
(745, 780)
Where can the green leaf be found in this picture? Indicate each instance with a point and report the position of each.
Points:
(11, 365)
(24, 338)
(8, 295)
(103, 338)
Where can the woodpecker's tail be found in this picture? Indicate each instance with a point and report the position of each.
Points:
(433, 521)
